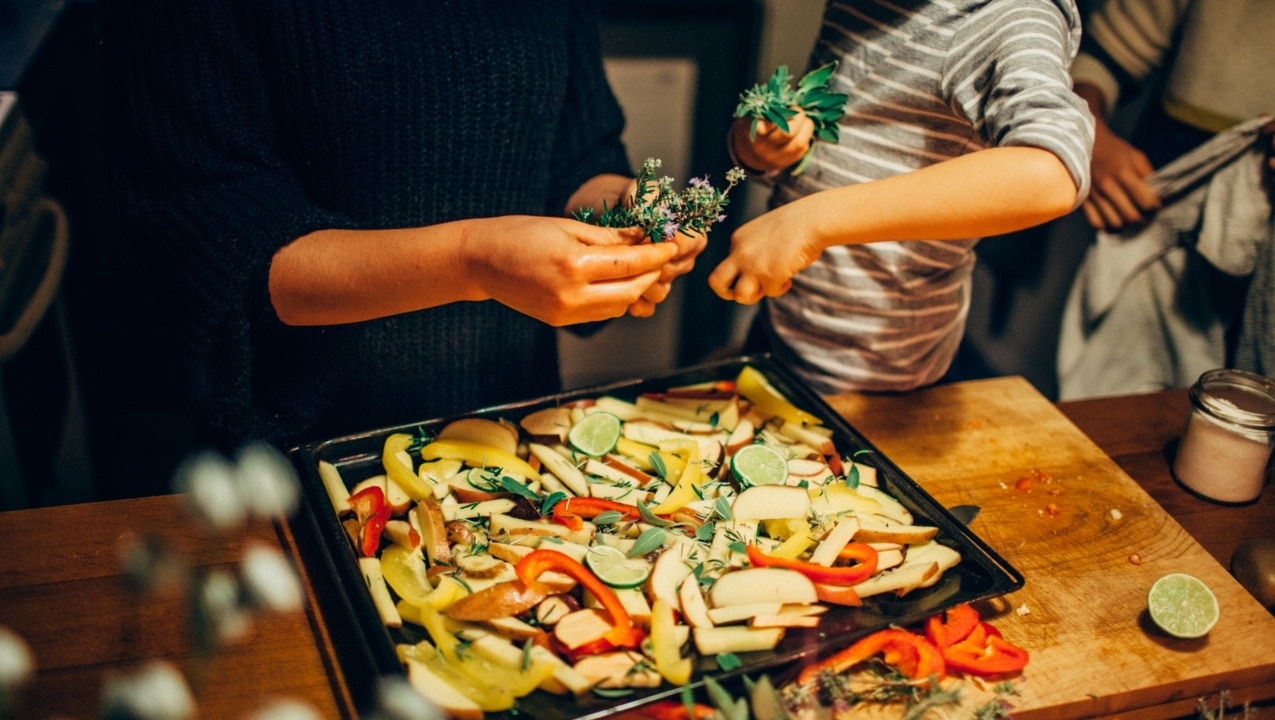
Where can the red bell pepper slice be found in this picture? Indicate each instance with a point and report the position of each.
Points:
(569, 512)
(373, 512)
(912, 654)
(623, 634)
(952, 626)
(849, 575)
(985, 653)
(673, 710)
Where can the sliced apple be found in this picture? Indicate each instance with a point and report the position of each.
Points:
(764, 584)
(618, 669)
(667, 573)
(871, 532)
(694, 607)
(582, 627)
(494, 433)
(771, 502)
(846, 529)
(735, 639)
(549, 425)
(729, 614)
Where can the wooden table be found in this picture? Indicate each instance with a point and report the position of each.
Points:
(1093, 655)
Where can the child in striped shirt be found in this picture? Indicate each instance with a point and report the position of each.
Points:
(961, 123)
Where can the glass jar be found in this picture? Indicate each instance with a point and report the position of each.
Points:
(1225, 452)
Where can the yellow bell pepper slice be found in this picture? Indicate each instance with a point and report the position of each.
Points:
(666, 651)
(400, 472)
(692, 476)
(479, 456)
(754, 386)
(492, 685)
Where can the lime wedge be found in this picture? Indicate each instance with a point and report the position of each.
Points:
(759, 464)
(615, 568)
(1182, 605)
(596, 434)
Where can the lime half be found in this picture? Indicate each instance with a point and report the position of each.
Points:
(1182, 605)
(759, 464)
(596, 434)
(615, 568)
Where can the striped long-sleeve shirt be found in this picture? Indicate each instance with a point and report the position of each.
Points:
(927, 80)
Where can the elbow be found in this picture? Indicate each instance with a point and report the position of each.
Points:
(1056, 190)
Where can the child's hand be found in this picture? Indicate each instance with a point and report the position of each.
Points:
(765, 254)
(772, 149)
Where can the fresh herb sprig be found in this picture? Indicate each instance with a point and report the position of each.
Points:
(662, 211)
(778, 101)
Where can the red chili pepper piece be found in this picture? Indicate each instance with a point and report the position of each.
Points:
(672, 710)
(985, 653)
(372, 512)
(912, 654)
(952, 626)
(850, 575)
(569, 512)
(622, 634)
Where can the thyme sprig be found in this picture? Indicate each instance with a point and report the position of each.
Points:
(777, 101)
(663, 211)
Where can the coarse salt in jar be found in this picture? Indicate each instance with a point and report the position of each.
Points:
(1225, 451)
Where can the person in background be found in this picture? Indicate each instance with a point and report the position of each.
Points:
(1213, 61)
(960, 123)
(356, 215)
(1172, 286)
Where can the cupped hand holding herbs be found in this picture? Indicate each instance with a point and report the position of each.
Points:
(778, 123)
(664, 214)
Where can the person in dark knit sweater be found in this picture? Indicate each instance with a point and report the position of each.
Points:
(356, 213)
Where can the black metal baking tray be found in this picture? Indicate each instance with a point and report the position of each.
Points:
(981, 574)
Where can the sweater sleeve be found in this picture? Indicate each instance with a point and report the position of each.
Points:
(202, 190)
(1008, 74)
(589, 128)
(1125, 42)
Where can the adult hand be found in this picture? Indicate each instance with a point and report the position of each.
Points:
(772, 149)
(765, 254)
(562, 271)
(1119, 195)
(688, 248)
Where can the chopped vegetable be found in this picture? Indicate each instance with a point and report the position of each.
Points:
(862, 570)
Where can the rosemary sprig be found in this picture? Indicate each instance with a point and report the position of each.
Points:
(778, 101)
(661, 211)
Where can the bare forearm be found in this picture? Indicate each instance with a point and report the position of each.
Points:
(990, 192)
(341, 276)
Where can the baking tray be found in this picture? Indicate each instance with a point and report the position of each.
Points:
(369, 645)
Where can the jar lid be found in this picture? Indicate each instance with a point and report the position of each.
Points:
(1238, 396)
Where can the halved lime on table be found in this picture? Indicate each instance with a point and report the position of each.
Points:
(596, 434)
(1182, 605)
(615, 568)
(759, 464)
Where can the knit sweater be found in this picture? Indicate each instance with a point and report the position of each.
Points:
(241, 125)
(927, 81)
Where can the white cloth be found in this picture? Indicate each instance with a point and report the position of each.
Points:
(1142, 314)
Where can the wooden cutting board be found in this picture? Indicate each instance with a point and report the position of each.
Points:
(1082, 612)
